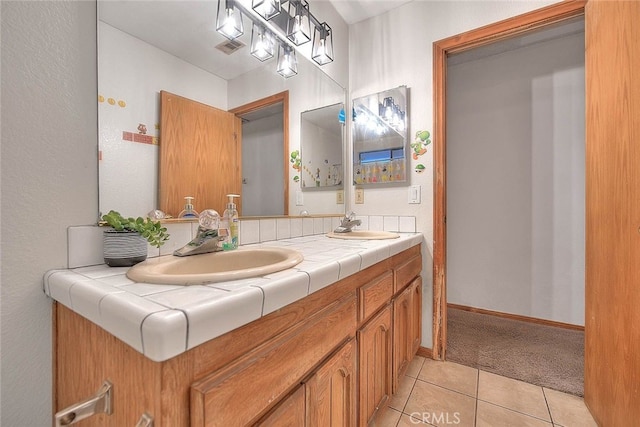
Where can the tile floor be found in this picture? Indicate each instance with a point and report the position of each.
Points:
(448, 394)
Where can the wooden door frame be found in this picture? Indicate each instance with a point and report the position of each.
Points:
(282, 97)
(501, 30)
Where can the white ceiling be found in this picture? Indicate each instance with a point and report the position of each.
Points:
(353, 11)
(186, 28)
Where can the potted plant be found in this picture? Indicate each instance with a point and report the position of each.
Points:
(125, 243)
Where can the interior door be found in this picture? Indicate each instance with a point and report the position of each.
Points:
(521, 24)
(612, 339)
(199, 155)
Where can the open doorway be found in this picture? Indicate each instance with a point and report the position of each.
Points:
(489, 258)
(264, 151)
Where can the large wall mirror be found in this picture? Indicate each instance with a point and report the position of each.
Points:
(145, 47)
(380, 138)
(321, 148)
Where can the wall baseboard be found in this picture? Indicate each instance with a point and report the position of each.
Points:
(425, 352)
(517, 317)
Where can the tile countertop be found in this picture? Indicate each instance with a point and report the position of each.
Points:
(163, 321)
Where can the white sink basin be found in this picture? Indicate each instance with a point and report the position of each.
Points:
(364, 235)
(214, 267)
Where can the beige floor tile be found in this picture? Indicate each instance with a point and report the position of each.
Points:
(407, 421)
(414, 367)
(429, 402)
(452, 376)
(488, 415)
(399, 399)
(389, 419)
(568, 410)
(513, 394)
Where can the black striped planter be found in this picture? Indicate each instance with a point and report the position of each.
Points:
(123, 248)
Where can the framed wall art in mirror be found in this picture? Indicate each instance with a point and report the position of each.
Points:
(380, 123)
(321, 151)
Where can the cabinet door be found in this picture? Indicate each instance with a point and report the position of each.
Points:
(415, 334)
(407, 328)
(402, 334)
(374, 352)
(289, 413)
(331, 390)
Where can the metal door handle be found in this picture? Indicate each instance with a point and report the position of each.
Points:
(145, 420)
(100, 403)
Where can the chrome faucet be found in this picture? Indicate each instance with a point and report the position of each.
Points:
(209, 237)
(206, 241)
(348, 222)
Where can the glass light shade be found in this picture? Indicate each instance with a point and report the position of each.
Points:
(299, 27)
(287, 64)
(387, 108)
(322, 51)
(229, 20)
(266, 8)
(261, 43)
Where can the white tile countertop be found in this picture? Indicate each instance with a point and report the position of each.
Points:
(163, 321)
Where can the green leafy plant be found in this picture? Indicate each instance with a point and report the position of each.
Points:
(153, 231)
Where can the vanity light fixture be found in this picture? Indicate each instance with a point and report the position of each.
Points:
(322, 51)
(287, 63)
(299, 27)
(262, 45)
(266, 8)
(229, 19)
(292, 30)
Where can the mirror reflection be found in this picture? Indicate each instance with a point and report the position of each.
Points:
(380, 138)
(146, 47)
(321, 136)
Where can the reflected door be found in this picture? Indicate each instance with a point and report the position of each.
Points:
(199, 155)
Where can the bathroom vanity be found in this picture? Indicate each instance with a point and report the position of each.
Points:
(335, 354)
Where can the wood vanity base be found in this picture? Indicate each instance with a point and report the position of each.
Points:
(331, 358)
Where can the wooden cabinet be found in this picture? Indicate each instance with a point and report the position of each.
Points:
(374, 341)
(326, 360)
(331, 391)
(289, 413)
(233, 395)
(407, 328)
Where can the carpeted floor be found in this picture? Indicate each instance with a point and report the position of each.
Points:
(543, 355)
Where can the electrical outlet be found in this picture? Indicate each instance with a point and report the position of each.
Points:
(340, 197)
(359, 196)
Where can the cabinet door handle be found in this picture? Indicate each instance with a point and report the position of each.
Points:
(145, 420)
(100, 403)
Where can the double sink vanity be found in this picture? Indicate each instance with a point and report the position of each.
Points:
(325, 338)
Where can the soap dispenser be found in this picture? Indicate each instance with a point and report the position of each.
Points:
(188, 211)
(230, 216)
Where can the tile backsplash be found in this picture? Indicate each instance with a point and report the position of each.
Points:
(85, 241)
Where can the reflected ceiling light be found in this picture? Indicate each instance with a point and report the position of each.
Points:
(287, 64)
(266, 8)
(299, 27)
(229, 20)
(322, 51)
(262, 45)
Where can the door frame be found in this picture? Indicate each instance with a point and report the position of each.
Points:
(498, 31)
(282, 97)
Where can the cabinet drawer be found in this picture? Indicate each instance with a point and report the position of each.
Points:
(238, 393)
(406, 272)
(374, 295)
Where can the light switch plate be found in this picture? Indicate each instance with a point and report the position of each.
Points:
(299, 198)
(414, 194)
(340, 197)
(359, 196)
